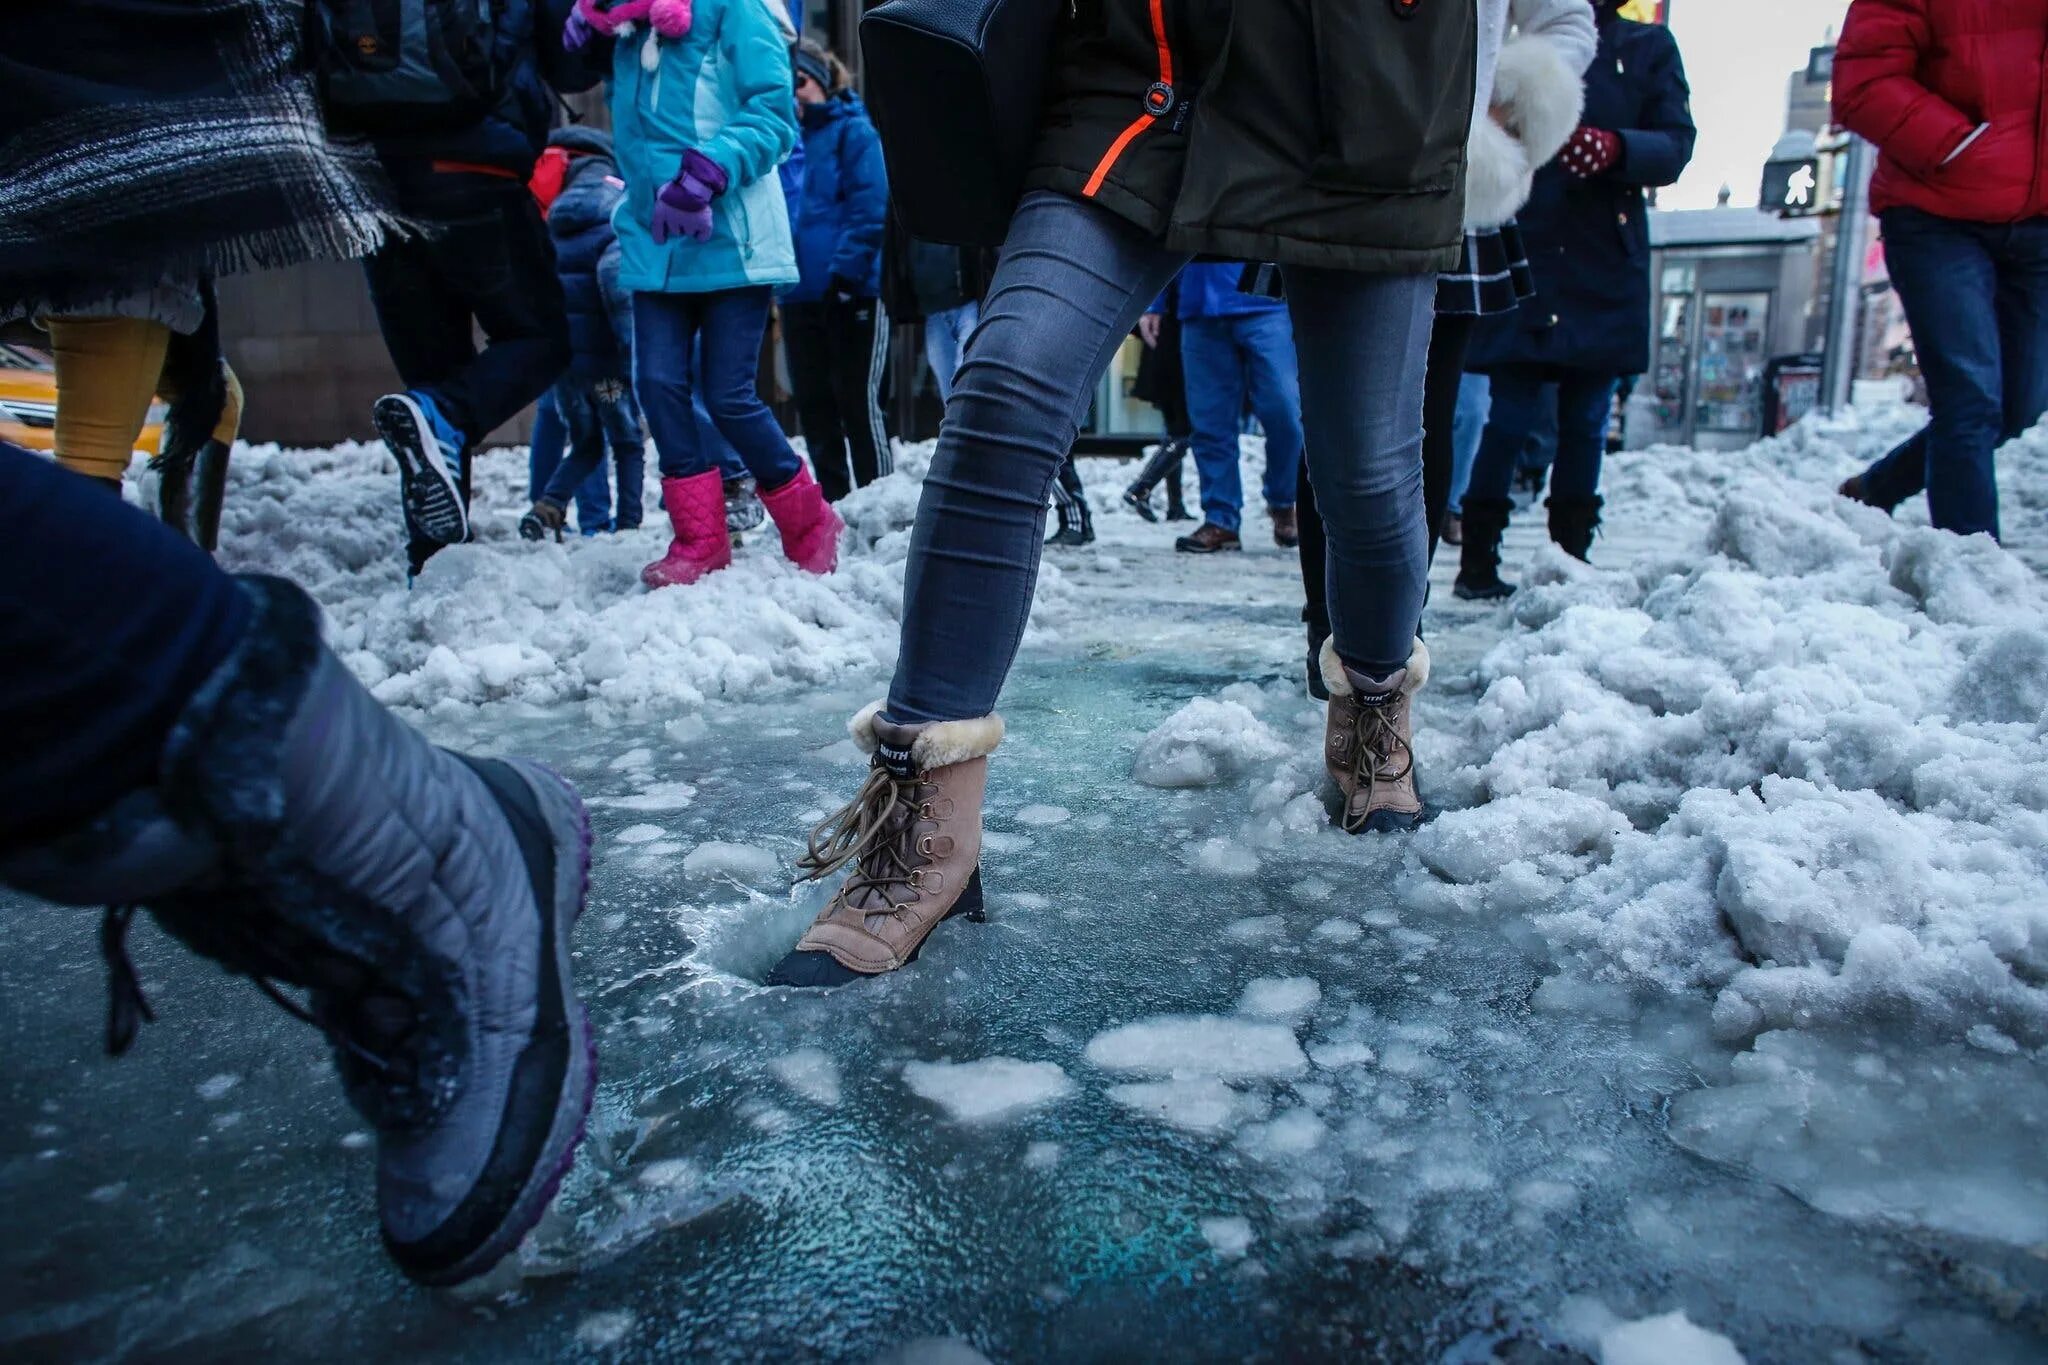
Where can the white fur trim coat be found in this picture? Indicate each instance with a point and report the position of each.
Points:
(1535, 77)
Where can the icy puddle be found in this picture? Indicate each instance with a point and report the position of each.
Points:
(1190, 1094)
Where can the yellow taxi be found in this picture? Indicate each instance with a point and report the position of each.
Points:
(28, 403)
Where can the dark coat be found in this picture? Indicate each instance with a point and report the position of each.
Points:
(1952, 94)
(1323, 132)
(845, 202)
(1589, 240)
(586, 259)
(511, 138)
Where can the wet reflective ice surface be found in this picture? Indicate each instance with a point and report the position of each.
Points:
(1345, 1124)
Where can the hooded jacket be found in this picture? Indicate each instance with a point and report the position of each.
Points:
(845, 203)
(1589, 240)
(587, 256)
(1327, 132)
(1955, 95)
(724, 89)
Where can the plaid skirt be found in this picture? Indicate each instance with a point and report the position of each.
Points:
(1492, 277)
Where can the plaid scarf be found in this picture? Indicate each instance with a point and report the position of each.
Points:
(152, 140)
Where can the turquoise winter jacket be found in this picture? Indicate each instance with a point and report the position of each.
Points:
(723, 88)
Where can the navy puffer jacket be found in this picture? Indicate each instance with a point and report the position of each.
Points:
(845, 202)
(587, 257)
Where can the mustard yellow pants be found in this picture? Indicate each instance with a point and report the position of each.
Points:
(108, 371)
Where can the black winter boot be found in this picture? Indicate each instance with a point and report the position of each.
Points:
(1176, 500)
(1164, 459)
(1486, 524)
(1573, 522)
(301, 835)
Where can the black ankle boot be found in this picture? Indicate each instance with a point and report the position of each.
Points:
(1486, 524)
(1573, 522)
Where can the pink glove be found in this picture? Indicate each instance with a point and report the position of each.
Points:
(683, 207)
(1591, 151)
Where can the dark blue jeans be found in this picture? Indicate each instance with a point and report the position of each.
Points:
(597, 413)
(730, 324)
(1526, 399)
(1976, 297)
(1072, 282)
(1228, 361)
(94, 679)
(544, 456)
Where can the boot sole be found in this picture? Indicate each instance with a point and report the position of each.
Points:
(483, 1234)
(822, 971)
(429, 492)
(1496, 594)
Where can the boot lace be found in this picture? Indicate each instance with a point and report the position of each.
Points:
(877, 832)
(1376, 743)
(370, 1029)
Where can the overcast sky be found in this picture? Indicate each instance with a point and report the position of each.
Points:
(1738, 54)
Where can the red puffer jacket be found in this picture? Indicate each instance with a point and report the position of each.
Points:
(1951, 91)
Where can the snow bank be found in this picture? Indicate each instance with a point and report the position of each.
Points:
(1210, 740)
(502, 620)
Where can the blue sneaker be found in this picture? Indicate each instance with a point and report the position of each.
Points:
(429, 454)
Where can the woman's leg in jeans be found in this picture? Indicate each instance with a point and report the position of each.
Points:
(1072, 282)
(1446, 367)
(1364, 345)
(734, 322)
(1585, 403)
(1516, 399)
(1475, 402)
(664, 326)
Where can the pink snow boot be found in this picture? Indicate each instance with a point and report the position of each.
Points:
(810, 528)
(696, 508)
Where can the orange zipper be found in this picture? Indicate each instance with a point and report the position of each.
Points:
(1158, 101)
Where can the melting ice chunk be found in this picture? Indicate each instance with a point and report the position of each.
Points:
(810, 1072)
(1229, 1238)
(1199, 1045)
(1205, 742)
(742, 861)
(989, 1089)
(1279, 997)
(1668, 1340)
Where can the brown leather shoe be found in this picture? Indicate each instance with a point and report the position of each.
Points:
(1453, 529)
(1208, 539)
(1286, 527)
(1368, 743)
(913, 836)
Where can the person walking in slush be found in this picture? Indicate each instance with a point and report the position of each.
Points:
(701, 119)
(834, 326)
(1952, 93)
(1327, 138)
(1586, 227)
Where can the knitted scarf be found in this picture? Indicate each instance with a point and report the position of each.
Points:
(151, 140)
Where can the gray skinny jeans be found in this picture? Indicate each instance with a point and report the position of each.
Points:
(1072, 282)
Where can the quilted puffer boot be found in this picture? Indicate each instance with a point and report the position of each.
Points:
(702, 545)
(419, 900)
(913, 839)
(1368, 743)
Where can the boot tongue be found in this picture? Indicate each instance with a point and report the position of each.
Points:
(1371, 691)
(894, 745)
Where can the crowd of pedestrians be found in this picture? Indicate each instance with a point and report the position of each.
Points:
(1404, 260)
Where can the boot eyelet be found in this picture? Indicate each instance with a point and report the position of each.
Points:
(917, 879)
(924, 845)
(924, 809)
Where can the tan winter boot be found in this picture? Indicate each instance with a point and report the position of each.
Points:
(913, 836)
(1368, 743)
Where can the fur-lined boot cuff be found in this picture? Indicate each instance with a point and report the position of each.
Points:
(1338, 678)
(934, 744)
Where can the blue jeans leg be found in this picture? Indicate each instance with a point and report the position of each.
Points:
(1475, 401)
(544, 447)
(1522, 404)
(95, 679)
(620, 416)
(1947, 279)
(945, 342)
(1275, 384)
(1585, 404)
(1364, 347)
(1071, 284)
(1215, 370)
(731, 323)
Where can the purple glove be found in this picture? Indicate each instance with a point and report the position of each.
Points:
(683, 207)
(577, 32)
